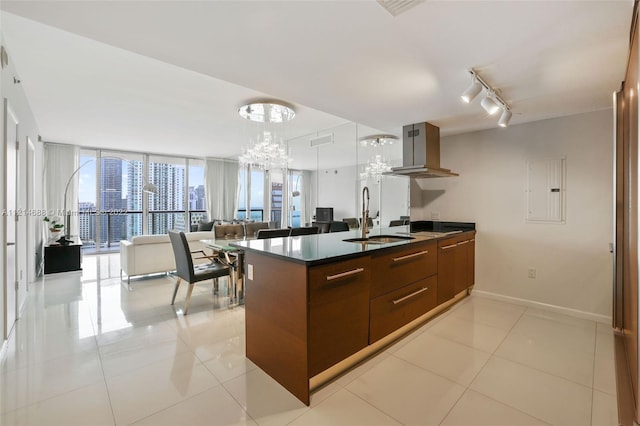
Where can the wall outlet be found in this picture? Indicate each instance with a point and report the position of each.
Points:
(531, 272)
(435, 215)
(250, 271)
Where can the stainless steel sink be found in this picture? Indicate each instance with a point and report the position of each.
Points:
(378, 239)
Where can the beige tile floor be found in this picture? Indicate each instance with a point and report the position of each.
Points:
(89, 351)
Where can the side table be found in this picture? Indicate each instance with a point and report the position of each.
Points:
(62, 258)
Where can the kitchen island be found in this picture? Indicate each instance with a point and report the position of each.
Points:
(316, 304)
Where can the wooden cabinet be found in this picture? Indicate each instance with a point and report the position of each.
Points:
(393, 310)
(303, 318)
(62, 258)
(397, 267)
(456, 258)
(338, 311)
(403, 287)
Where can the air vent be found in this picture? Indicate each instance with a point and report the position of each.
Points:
(321, 140)
(396, 7)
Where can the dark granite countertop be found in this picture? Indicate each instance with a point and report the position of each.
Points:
(325, 248)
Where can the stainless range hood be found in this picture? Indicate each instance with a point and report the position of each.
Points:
(421, 152)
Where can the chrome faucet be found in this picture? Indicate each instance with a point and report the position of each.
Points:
(365, 212)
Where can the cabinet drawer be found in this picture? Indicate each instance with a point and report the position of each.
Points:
(336, 280)
(338, 312)
(458, 238)
(404, 265)
(395, 309)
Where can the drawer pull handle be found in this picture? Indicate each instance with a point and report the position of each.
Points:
(448, 247)
(463, 242)
(344, 274)
(409, 296)
(409, 256)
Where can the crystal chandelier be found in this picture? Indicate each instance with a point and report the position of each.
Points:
(268, 150)
(265, 153)
(377, 165)
(375, 168)
(378, 140)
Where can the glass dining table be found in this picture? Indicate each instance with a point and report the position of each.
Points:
(234, 258)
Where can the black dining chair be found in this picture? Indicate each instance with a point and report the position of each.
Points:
(369, 222)
(352, 222)
(338, 226)
(305, 230)
(323, 227)
(273, 233)
(185, 270)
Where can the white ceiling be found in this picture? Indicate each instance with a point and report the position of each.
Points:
(168, 76)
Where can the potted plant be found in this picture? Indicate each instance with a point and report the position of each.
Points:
(55, 226)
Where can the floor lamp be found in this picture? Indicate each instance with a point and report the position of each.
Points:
(66, 238)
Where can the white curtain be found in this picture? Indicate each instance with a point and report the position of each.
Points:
(60, 165)
(221, 189)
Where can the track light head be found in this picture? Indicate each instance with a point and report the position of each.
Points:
(472, 91)
(504, 118)
(492, 101)
(489, 105)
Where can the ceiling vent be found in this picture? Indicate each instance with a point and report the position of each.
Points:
(396, 7)
(321, 140)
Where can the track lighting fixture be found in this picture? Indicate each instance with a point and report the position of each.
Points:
(492, 102)
(504, 118)
(472, 91)
(489, 105)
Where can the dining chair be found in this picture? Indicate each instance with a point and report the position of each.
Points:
(185, 270)
(336, 226)
(228, 232)
(323, 227)
(305, 230)
(352, 222)
(273, 233)
(369, 222)
(398, 222)
(251, 229)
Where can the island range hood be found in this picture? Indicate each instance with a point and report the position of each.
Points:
(421, 152)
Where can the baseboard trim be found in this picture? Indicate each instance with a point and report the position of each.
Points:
(544, 306)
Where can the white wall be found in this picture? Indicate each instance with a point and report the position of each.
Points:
(337, 188)
(573, 263)
(27, 128)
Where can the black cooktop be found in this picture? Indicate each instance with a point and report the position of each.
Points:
(439, 226)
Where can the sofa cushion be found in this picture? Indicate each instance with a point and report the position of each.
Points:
(150, 239)
(202, 235)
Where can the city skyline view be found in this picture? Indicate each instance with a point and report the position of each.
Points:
(120, 198)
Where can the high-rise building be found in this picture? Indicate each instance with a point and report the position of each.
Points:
(112, 226)
(170, 181)
(87, 223)
(135, 195)
(200, 205)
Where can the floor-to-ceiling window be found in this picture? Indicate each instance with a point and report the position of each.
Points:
(296, 195)
(120, 197)
(197, 207)
(87, 200)
(276, 201)
(252, 184)
(112, 203)
(167, 208)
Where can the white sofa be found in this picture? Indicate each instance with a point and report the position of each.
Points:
(152, 254)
